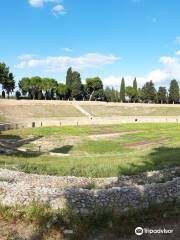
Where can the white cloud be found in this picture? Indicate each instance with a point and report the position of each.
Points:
(170, 67)
(157, 76)
(67, 49)
(170, 70)
(36, 3)
(26, 57)
(61, 63)
(177, 53)
(58, 10)
(40, 3)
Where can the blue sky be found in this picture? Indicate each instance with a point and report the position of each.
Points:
(108, 38)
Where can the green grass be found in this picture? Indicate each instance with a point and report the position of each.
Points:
(97, 158)
(84, 227)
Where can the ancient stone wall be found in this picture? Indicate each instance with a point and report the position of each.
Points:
(8, 126)
(119, 194)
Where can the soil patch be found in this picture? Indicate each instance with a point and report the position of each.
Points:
(13, 230)
(146, 143)
(53, 143)
(110, 135)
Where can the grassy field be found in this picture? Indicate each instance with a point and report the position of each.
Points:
(97, 151)
(129, 110)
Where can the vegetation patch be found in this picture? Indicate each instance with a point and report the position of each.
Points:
(44, 221)
(112, 156)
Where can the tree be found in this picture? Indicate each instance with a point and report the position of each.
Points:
(62, 91)
(108, 94)
(135, 97)
(3, 94)
(76, 86)
(49, 86)
(24, 85)
(174, 92)
(149, 92)
(69, 76)
(122, 91)
(162, 95)
(9, 84)
(94, 87)
(35, 86)
(111, 95)
(18, 94)
(130, 93)
(4, 72)
(6, 79)
(139, 95)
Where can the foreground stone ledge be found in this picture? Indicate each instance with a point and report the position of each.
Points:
(82, 182)
(20, 188)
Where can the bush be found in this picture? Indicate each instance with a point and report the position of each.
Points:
(18, 95)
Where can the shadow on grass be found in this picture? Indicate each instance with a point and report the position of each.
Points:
(10, 144)
(159, 158)
(65, 149)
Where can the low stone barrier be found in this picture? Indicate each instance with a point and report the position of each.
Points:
(121, 199)
(9, 126)
(60, 192)
(101, 121)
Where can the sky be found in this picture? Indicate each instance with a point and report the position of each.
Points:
(106, 38)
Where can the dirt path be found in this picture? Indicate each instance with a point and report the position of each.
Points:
(82, 110)
(110, 135)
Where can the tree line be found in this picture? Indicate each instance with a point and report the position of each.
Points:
(92, 90)
(6, 80)
(149, 94)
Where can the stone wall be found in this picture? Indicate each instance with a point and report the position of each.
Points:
(119, 194)
(87, 119)
(80, 121)
(122, 199)
(8, 126)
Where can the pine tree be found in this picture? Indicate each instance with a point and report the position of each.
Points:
(122, 91)
(9, 84)
(174, 92)
(162, 95)
(149, 92)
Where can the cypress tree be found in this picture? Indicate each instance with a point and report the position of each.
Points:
(134, 99)
(76, 86)
(69, 78)
(174, 92)
(122, 91)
